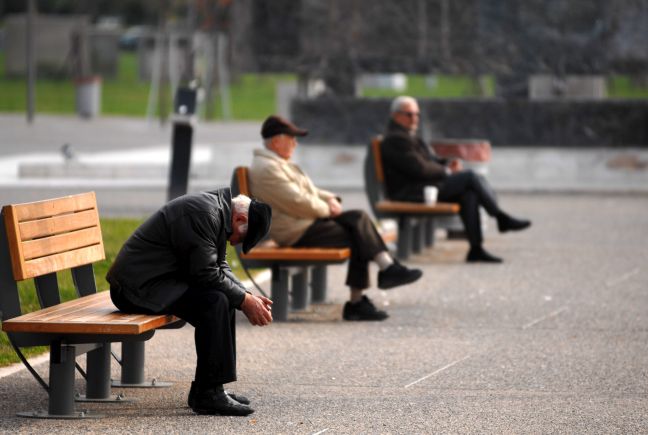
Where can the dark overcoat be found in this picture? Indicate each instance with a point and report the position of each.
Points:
(409, 165)
(180, 246)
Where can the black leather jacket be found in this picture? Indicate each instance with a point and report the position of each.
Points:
(180, 246)
(409, 165)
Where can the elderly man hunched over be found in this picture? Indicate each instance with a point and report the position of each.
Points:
(175, 263)
(410, 165)
(304, 215)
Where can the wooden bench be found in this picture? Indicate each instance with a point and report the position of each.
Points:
(41, 239)
(415, 220)
(286, 262)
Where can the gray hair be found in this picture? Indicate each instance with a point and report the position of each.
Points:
(399, 102)
(241, 205)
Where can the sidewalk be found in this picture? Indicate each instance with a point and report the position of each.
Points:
(554, 340)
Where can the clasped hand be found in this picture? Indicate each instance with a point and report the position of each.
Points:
(258, 309)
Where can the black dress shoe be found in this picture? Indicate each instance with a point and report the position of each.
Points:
(192, 396)
(506, 223)
(396, 275)
(481, 255)
(364, 309)
(217, 402)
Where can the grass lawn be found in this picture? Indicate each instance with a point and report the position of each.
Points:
(252, 95)
(115, 232)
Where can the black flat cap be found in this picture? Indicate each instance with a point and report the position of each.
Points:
(259, 219)
(275, 125)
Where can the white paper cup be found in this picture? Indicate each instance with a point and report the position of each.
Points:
(430, 194)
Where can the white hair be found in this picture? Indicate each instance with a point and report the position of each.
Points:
(399, 102)
(241, 205)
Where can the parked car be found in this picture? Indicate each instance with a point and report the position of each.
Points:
(130, 38)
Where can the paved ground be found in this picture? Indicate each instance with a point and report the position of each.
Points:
(555, 340)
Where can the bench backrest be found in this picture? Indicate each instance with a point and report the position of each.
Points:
(374, 175)
(45, 237)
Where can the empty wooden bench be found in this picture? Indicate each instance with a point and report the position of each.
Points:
(415, 220)
(43, 238)
(285, 261)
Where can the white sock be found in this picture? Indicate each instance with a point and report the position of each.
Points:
(383, 260)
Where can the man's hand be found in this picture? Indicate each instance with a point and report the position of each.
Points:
(257, 309)
(455, 165)
(335, 207)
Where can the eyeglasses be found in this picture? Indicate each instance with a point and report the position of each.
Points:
(410, 114)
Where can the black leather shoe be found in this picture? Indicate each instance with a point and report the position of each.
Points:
(218, 402)
(363, 310)
(481, 255)
(506, 223)
(192, 396)
(396, 275)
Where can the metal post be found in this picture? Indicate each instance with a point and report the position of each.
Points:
(417, 236)
(180, 160)
(300, 289)
(132, 367)
(133, 353)
(318, 284)
(404, 238)
(429, 232)
(61, 395)
(31, 59)
(279, 292)
(98, 381)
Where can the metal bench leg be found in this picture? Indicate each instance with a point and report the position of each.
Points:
(132, 372)
(61, 386)
(404, 238)
(429, 232)
(300, 289)
(279, 292)
(417, 236)
(98, 377)
(318, 284)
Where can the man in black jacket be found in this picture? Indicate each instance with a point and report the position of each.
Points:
(175, 263)
(410, 165)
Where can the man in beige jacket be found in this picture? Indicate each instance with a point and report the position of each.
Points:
(303, 215)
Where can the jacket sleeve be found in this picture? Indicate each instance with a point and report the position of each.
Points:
(287, 196)
(200, 242)
(400, 154)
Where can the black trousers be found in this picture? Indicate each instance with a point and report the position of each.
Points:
(208, 311)
(353, 229)
(469, 190)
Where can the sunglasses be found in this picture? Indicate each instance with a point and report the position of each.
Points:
(410, 114)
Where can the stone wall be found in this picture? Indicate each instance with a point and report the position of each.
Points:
(503, 122)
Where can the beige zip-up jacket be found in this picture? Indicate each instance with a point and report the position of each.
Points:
(294, 199)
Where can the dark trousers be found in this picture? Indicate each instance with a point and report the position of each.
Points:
(353, 229)
(469, 190)
(208, 311)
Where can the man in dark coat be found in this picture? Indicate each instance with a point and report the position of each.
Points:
(175, 263)
(410, 165)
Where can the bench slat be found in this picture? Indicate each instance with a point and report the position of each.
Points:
(417, 208)
(94, 314)
(65, 260)
(61, 243)
(54, 207)
(298, 254)
(58, 224)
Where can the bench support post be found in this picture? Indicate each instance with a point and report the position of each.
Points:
(417, 236)
(318, 284)
(429, 232)
(404, 237)
(61, 386)
(300, 289)
(132, 371)
(279, 292)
